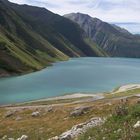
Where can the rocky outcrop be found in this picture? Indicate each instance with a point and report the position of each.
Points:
(79, 129)
(23, 137)
(78, 111)
(49, 109)
(35, 114)
(9, 114)
(137, 124)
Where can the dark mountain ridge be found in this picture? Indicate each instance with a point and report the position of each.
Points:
(114, 40)
(31, 38)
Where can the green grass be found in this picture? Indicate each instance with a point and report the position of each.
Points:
(23, 56)
(117, 127)
(96, 48)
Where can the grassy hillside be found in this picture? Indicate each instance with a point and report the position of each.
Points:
(121, 113)
(117, 126)
(32, 38)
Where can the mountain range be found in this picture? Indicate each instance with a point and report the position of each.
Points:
(32, 38)
(114, 40)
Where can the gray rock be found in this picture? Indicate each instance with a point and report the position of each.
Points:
(4, 137)
(9, 114)
(11, 139)
(23, 137)
(18, 118)
(65, 137)
(50, 109)
(35, 114)
(80, 111)
(137, 124)
(89, 138)
(119, 130)
(54, 138)
(79, 129)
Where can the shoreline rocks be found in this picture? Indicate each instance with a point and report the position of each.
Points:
(79, 129)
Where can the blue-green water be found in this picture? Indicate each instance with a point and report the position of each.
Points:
(76, 75)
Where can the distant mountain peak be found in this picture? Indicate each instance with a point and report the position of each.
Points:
(115, 40)
(78, 14)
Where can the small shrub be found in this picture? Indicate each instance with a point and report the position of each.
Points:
(121, 109)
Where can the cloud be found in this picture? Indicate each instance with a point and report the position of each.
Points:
(40, 3)
(132, 27)
(107, 10)
(73, 2)
(43, 3)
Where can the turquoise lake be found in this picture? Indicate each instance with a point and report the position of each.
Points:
(76, 75)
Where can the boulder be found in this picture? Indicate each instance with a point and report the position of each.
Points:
(11, 139)
(35, 114)
(65, 137)
(9, 114)
(137, 124)
(50, 109)
(80, 111)
(4, 137)
(54, 138)
(23, 137)
(79, 129)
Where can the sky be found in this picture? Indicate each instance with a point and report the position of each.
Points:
(122, 12)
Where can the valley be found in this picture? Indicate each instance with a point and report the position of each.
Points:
(71, 76)
(29, 43)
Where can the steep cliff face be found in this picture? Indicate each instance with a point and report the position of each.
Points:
(32, 38)
(111, 38)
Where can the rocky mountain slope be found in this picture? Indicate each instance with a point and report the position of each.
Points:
(114, 40)
(32, 38)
